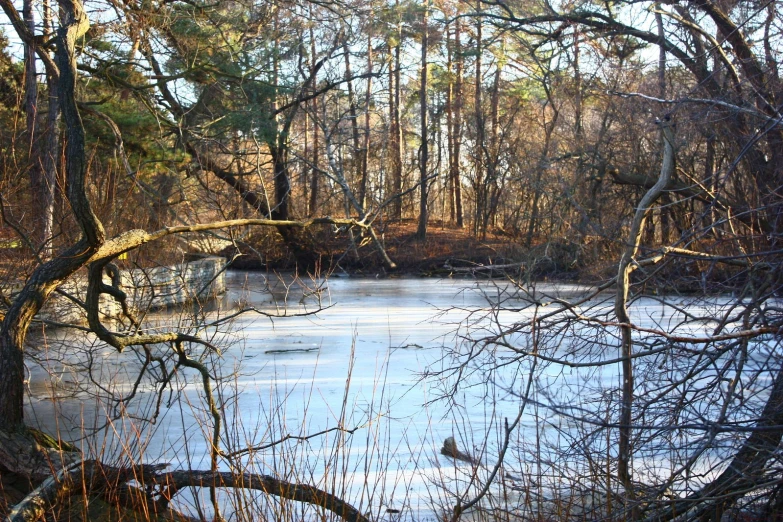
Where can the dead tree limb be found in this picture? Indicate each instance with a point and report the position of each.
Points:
(270, 485)
(96, 477)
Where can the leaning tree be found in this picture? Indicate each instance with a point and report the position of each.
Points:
(94, 254)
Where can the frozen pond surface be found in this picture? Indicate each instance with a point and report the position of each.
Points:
(358, 364)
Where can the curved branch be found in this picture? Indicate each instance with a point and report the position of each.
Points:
(74, 25)
(747, 59)
(70, 481)
(626, 266)
(270, 485)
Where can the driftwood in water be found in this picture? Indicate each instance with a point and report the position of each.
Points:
(483, 268)
(450, 449)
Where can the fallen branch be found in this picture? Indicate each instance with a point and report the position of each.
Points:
(50, 492)
(482, 268)
(98, 477)
(270, 485)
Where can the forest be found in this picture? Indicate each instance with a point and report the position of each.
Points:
(634, 147)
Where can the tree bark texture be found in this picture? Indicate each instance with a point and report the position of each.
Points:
(478, 152)
(49, 275)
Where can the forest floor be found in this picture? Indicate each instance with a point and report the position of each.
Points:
(445, 247)
(446, 251)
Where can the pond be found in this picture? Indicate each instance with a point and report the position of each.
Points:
(380, 359)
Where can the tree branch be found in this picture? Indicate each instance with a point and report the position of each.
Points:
(95, 475)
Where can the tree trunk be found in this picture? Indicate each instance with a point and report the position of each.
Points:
(665, 209)
(421, 232)
(365, 157)
(450, 123)
(533, 221)
(50, 151)
(578, 126)
(478, 152)
(493, 152)
(626, 266)
(41, 232)
(312, 207)
(305, 170)
(396, 131)
(48, 276)
(352, 113)
(458, 103)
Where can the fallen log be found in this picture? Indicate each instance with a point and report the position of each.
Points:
(27, 452)
(268, 484)
(156, 488)
(482, 268)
